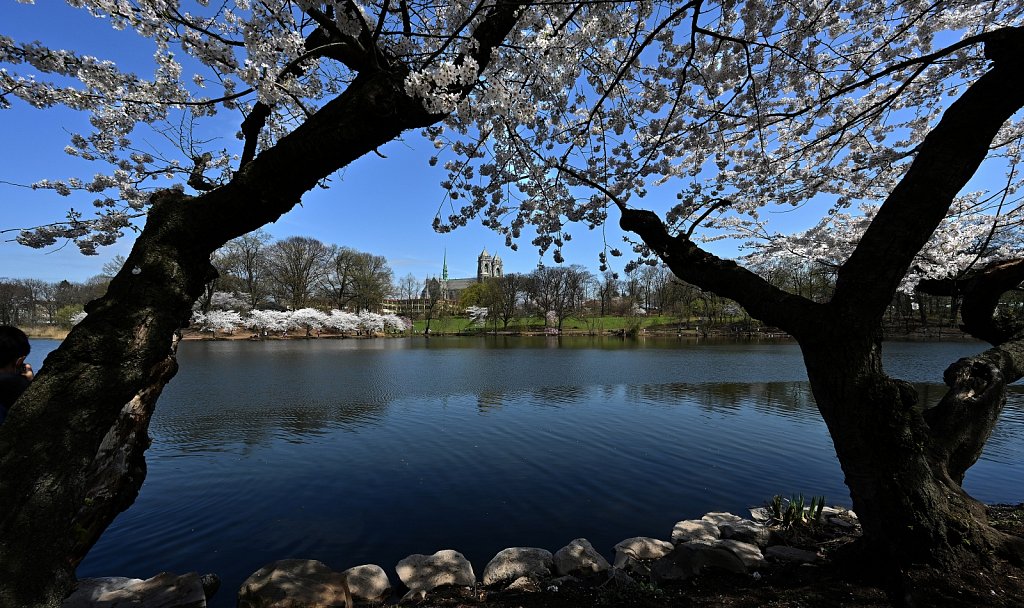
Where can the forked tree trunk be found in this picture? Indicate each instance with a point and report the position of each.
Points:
(903, 466)
(903, 470)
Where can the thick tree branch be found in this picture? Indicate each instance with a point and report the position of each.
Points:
(402, 112)
(947, 158)
(251, 127)
(979, 312)
(981, 293)
(791, 313)
(121, 456)
(963, 420)
(361, 54)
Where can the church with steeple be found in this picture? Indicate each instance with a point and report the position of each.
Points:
(487, 266)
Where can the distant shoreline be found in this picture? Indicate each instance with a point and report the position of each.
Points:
(939, 333)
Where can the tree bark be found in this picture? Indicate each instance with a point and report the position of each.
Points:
(904, 466)
(904, 470)
(71, 449)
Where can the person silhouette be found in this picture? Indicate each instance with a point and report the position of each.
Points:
(15, 374)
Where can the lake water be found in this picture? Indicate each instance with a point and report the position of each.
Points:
(366, 451)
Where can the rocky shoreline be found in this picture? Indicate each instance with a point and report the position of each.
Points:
(715, 542)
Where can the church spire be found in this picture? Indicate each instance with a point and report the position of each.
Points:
(444, 268)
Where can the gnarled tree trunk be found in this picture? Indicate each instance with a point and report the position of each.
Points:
(904, 466)
(71, 449)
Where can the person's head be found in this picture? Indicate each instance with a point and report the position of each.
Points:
(14, 346)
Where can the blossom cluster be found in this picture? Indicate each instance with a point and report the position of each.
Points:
(304, 319)
(737, 109)
(968, 239)
(719, 111)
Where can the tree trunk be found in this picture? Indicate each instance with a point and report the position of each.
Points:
(71, 453)
(904, 482)
(71, 449)
(903, 465)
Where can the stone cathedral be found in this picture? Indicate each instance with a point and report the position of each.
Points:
(487, 266)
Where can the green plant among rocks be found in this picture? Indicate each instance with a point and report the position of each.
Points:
(796, 511)
(638, 593)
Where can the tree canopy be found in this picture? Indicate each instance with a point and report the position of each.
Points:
(735, 107)
(553, 113)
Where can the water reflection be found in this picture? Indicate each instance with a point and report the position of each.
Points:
(354, 451)
(488, 401)
(785, 398)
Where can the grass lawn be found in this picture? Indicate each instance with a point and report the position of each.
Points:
(450, 325)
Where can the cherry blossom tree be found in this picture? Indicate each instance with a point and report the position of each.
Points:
(962, 244)
(375, 323)
(318, 84)
(342, 321)
(308, 320)
(477, 315)
(744, 108)
(556, 113)
(226, 321)
(223, 300)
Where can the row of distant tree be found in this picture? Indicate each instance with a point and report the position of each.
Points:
(262, 274)
(561, 292)
(259, 273)
(33, 302)
(299, 272)
(307, 320)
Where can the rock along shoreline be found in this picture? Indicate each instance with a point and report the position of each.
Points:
(716, 541)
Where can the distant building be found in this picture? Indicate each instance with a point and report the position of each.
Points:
(487, 266)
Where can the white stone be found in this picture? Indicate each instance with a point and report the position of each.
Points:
(515, 562)
(719, 518)
(294, 582)
(749, 554)
(690, 559)
(524, 584)
(760, 514)
(640, 547)
(368, 583)
(832, 511)
(695, 530)
(841, 523)
(745, 531)
(421, 573)
(162, 591)
(91, 589)
(579, 557)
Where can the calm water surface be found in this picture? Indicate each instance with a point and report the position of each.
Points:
(365, 451)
